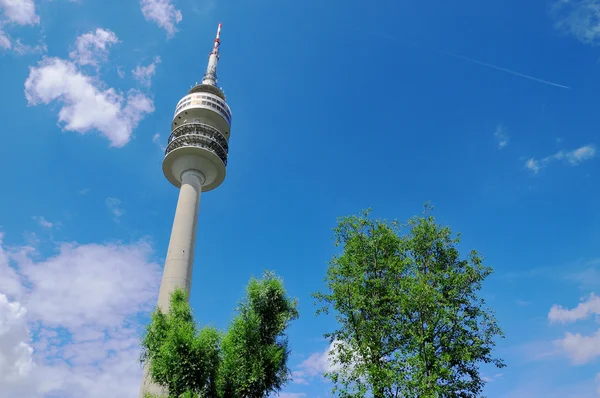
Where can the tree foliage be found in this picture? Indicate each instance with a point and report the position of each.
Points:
(411, 323)
(249, 360)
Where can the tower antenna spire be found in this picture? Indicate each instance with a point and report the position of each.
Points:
(210, 77)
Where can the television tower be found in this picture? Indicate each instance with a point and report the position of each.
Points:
(195, 160)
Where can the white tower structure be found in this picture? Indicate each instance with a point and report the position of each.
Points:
(195, 160)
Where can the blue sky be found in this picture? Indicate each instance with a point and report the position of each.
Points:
(337, 106)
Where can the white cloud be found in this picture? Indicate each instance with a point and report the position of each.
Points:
(317, 364)
(581, 349)
(86, 105)
(533, 165)
(588, 307)
(21, 12)
(104, 278)
(291, 395)
(580, 18)
(581, 154)
(92, 47)
(42, 221)
(114, 206)
(144, 74)
(82, 307)
(501, 136)
(163, 13)
(573, 158)
(16, 360)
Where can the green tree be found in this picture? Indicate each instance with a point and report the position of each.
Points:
(411, 323)
(255, 349)
(181, 358)
(249, 360)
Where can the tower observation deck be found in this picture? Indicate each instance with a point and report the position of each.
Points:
(195, 161)
(200, 130)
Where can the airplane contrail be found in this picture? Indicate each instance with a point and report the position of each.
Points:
(475, 61)
(535, 79)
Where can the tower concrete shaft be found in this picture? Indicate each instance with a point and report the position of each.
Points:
(180, 255)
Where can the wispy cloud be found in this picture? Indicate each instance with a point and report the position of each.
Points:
(573, 158)
(585, 273)
(523, 303)
(579, 18)
(4, 40)
(23, 49)
(114, 206)
(489, 379)
(536, 351)
(144, 74)
(550, 383)
(204, 8)
(588, 276)
(43, 222)
(157, 140)
(501, 136)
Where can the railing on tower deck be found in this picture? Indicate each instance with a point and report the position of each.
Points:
(199, 139)
(202, 129)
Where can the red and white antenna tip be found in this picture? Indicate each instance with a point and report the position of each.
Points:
(219, 31)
